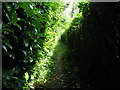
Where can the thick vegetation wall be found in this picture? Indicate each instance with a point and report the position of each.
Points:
(93, 42)
(29, 31)
(35, 54)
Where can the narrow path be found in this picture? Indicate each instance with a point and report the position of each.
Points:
(58, 77)
(59, 72)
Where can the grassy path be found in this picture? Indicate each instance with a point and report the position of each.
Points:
(59, 74)
(58, 78)
(57, 81)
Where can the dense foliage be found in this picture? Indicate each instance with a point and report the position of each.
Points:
(93, 44)
(38, 53)
(28, 32)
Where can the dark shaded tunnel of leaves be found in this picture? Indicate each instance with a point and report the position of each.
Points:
(86, 55)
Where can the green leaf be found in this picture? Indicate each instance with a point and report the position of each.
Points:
(25, 87)
(31, 60)
(32, 77)
(4, 48)
(15, 78)
(15, 37)
(7, 43)
(26, 42)
(30, 48)
(8, 6)
(26, 76)
(7, 30)
(8, 17)
(25, 61)
(26, 7)
(24, 52)
(14, 23)
(11, 55)
(37, 24)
